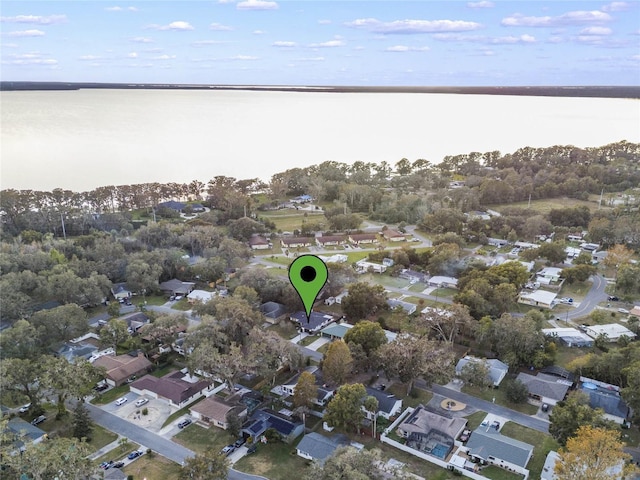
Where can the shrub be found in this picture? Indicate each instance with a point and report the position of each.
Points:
(145, 411)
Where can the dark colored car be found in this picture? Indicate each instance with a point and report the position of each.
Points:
(184, 423)
(101, 387)
(545, 407)
(118, 465)
(134, 455)
(239, 442)
(252, 448)
(38, 420)
(613, 298)
(107, 465)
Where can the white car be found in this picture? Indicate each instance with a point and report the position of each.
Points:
(141, 402)
(623, 310)
(121, 400)
(24, 408)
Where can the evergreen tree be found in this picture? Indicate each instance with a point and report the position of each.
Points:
(82, 425)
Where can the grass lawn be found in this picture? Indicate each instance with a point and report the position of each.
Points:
(289, 220)
(276, 461)
(117, 453)
(475, 419)
(156, 468)
(497, 473)
(179, 413)
(281, 260)
(285, 328)
(152, 300)
(577, 290)
(323, 349)
(182, 305)
(388, 281)
(417, 287)
(420, 396)
(201, 440)
(161, 372)
(542, 443)
(631, 436)
(353, 257)
(306, 341)
(444, 292)
(565, 354)
(101, 436)
(548, 204)
(501, 399)
(110, 395)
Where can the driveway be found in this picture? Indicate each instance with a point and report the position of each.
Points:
(318, 343)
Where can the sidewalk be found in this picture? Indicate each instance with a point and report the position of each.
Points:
(107, 448)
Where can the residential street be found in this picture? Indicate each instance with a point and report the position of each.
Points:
(596, 295)
(162, 446)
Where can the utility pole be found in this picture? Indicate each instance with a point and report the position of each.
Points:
(64, 231)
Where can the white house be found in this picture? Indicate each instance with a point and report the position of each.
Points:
(409, 308)
(569, 336)
(443, 282)
(388, 404)
(341, 296)
(539, 298)
(497, 369)
(200, 296)
(495, 449)
(548, 275)
(363, 267)
(613, 331)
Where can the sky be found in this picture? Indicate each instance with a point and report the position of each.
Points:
(366, 43)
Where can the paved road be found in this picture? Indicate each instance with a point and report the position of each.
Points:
(517, 417)
(404, 291)
(596, 295)
(164, 447)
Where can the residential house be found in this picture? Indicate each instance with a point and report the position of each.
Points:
(135, 321)
(341, 296)
(576, 236)
(114, 474)
(539, 298)
(409, 308)
(545, 388)
(302, 199)
(497, 242)
(177, 388)
(497, 369)
(607, 397)
(493, 448)
(200, 296)
(569, 337)
(477, 215)
(360, 238)
(178, 347)
(318, 448)
(572, 252)
(173, 205)
(635, 312)
(121, 291)
(323, 394)
(177, 287)
(337, 331)
(525, 245)
(331, 240)
(74, 352)
(413, 276)
(388, 404)
(197, 207)
(393, 235)
(589, 247)
(443, 282)
(363, 266)
(215, 410)
(316, 321)
(548, 275)
(22, 432)
(272, 310)
(548, 470)
(258, 242)
(612, 331)
(264, 419)
(297, 242)
(430, 432)
(120, 368)
(337, 258)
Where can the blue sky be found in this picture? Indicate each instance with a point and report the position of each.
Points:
(266, 42)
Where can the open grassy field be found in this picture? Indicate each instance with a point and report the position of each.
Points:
(156, 468)
(289, 220)
(546, 205)
(201, 440)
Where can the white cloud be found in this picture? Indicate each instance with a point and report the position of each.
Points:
(256, 5)
(579, 17)
(121, 9)
(178, 25)
(9, 45)
(26, 33)
(142, 40)
(204, 43)
(35, 19)
(595, 31)
(258, 32)
(283, 44)
(324, 22)
(132, 55)
(556, 39)
(88, 57)
(483, 4)
(244, 57)
(219, 27)
(310, 59)
(405, 48)
(30, 58)
(413, 26)
(329, 44)
(164, 57)
(616, 7)
(510, 39)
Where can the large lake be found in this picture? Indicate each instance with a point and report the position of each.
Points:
(87, 138)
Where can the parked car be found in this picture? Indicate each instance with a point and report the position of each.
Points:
(184, 423)
(121, 400)
(106, 465)
(496, 425)
(623, 310)
(545, 407)
(227, 450)
(134, 455)
(118, 465)
(101, 387)
(38, 420)
(613, 298)
(239, 442)
(465, 435)
(24, 408)
(252, 448)
(141, 401)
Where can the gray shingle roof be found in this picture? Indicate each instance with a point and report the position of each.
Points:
(319, 446)
(484, 444)
(386, 401)
(612, 404)
(544, 386)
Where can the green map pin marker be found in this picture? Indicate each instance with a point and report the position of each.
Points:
(308, 274)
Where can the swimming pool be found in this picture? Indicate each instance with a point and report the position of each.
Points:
(440, 451)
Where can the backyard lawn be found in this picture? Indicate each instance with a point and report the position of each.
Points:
(276, 461)
(200, 439)
(419, 396)
(542, 443)
(497, 473)
(110, 395)
(156, 468)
